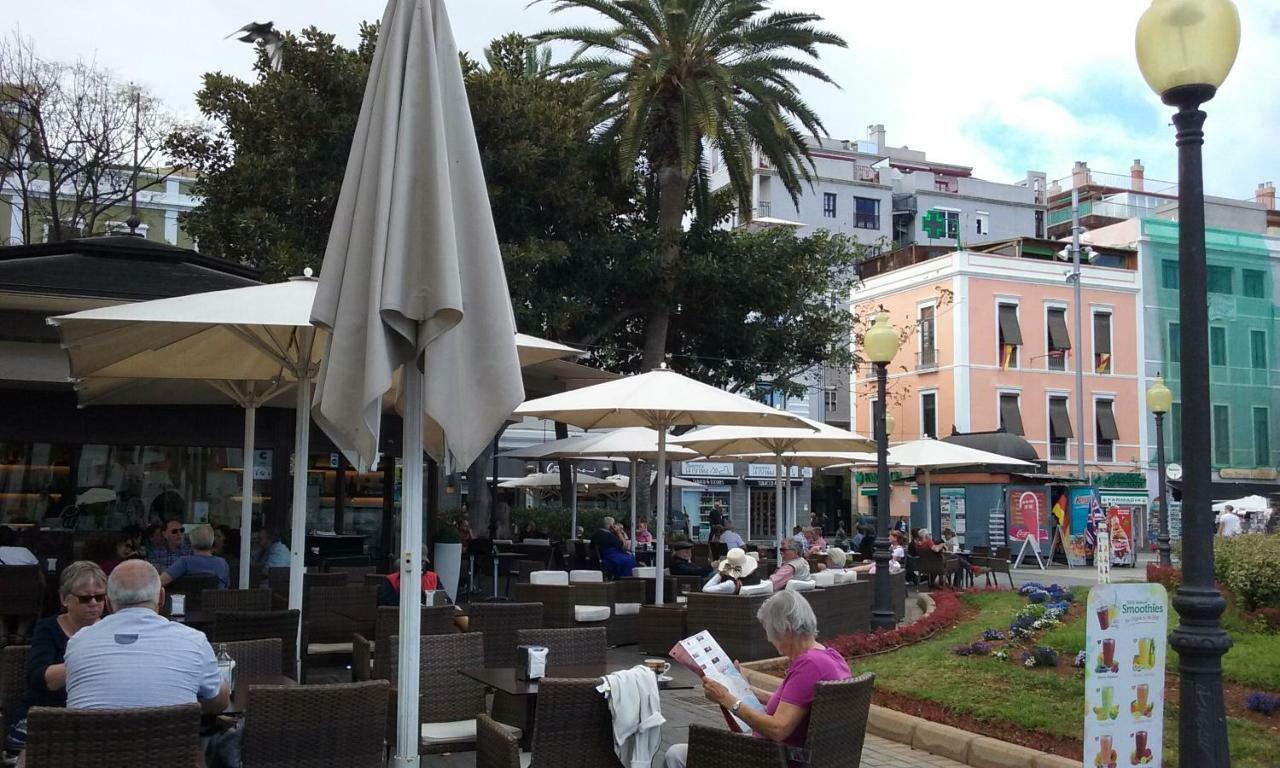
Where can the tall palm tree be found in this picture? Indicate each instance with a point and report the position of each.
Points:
(682, 77)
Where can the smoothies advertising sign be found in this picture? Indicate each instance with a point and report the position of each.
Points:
(1027, 508)
(1124, 675)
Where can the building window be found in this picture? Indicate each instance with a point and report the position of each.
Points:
(1107, 434)
(1059, 428)
(982, 223)
(1175, 343)
(1169, 277)
(829, 205)
(1059, 339)
(928, 342)
(1102, 342)
(1261, 437)
(1258, 349)
(1219, 280)
(866, 213)
(1221, 435)
(1175, 432)
(1040, 224)
(1217, 345)
(929, 414)
(830, 401)
(1254, 283)
(1010, 413)
(953, 224)
(1010, 335)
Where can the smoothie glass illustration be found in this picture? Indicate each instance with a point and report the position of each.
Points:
(1141, 752)
(1107, 709)
(1140, 707)
(1146, 658)
(1106, 755)
(1107, 659)
(1104, 616)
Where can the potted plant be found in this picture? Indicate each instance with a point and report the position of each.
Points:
(446, 556)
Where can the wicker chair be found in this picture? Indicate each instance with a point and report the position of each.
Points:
(588, 645)
(278, 581)
(13, 682)
(106, 738)
(496, 745)
(229, 626)
(331, 617)
(718, 748)
(995, 564)
(498, 623)
(312, 726)
(212, 601)
(449, 703)
(21, 591)
(624, 623)
(561, 601)
(573, 727)
(355, 573)
(732, 620)
(661, 627)
(838, 722)
(369, 658)
(257, 661)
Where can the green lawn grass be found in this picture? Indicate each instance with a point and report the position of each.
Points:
(988, 689)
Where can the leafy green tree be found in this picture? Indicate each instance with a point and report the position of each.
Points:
(678, 77)
(270, 165)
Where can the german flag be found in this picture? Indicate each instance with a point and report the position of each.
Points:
(1104, 363)
(1007, 359)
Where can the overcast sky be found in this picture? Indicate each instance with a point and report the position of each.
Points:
(1001, 85)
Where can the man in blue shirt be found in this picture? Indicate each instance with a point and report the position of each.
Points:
(174, 547)
(201, 561)
(271, 553)
(137, 658)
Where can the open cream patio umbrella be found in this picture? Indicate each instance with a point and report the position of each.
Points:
(660, 399)
(729, 441)
(928, 454)
(413, 281)
(632, 444)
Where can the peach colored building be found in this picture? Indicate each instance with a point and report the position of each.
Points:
(993, 345)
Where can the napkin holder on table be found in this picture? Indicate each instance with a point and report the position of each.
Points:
(531, 662)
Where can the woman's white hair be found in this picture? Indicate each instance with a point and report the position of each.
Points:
(202, 538)
(786, 613)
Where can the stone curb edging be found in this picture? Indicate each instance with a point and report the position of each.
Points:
(935, 738)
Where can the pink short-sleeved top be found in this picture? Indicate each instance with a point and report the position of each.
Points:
(801, 684)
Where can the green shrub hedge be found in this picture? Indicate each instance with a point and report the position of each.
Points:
(1249, 566)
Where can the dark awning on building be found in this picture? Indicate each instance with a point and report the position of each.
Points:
(1010, 415)
(1010, 332)
(1059, 419)
(1101, 333)
(1058, 335)
(1107, 421)
(999, 442)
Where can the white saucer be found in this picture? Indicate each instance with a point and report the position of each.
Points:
(664, 678)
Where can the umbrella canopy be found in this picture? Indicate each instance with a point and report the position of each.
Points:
(1243, 504)
(660, 399)
(738, 441)
(533, 350)
(413, 280)
(551, 480)
(624, 482)
(815, 459)
(928, 454)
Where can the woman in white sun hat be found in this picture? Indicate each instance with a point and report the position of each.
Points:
(736, 570)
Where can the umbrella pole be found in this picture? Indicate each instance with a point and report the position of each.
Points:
(661, 517)
(407, 727)
(246, 496)
(573, 502)
(928, 504)
(634, 465)
(781, 512)
(298, 528)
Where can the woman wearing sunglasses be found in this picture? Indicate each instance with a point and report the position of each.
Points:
(83, 590)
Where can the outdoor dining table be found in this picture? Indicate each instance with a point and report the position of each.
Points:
(240, 696)
(504, 679)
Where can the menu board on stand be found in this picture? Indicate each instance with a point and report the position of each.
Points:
(1125, 644)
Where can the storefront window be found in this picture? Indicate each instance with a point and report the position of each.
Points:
(764, 513)
(35, 481)
(697, 506)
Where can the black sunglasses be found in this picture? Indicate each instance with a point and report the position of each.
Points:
(97, 597)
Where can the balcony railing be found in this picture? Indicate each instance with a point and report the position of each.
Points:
(927, 359)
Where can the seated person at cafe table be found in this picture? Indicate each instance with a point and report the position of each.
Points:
(174, 546)
(272, 553)
(201, 561)
(736, 570)
(389, 589)
(611, 542)
(792, 628)
(682, 562)
(836, 560)
(816, 542)
(83, 593)
(731, 538)
(793, 566)
(643, 534)
(137, 658)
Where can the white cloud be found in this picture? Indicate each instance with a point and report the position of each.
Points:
(996, 84)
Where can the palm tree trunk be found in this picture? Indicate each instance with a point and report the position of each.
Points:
(673, 188)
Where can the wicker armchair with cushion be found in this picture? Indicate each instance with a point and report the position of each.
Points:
(236, 600)
(498, 623)
(257, 661)
(573, 729)
(718, 748)
(661, 627)
(587, 645)
(315, 725)
(355, 573)
(13, 682)
(995, 564)
(331, 617)
(622, 597)
(368, 654)
(229, 626)
(566, 605)
(93, 738)
(731, 619)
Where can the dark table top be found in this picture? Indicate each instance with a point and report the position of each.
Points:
(504, 678)
(240, 696)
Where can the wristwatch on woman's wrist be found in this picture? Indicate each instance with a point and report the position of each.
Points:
(736, 706)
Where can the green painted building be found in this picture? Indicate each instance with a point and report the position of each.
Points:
(1244, 351)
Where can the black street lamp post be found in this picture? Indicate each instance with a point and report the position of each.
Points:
(1159, 399)
(1185, 50)
(881, 344)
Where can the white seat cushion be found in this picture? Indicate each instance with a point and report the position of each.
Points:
(590, 577)
(588, 613)
(763, 588)
(558, 578)
(645, 572)
(526, 759)
(537, 542)
(627, 609)
(681, 600)
(846, 577)
(456, 732)
(824, 578)
(319, 649)
(796, 585)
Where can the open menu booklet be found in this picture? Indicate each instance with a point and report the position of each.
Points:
(703, 656)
